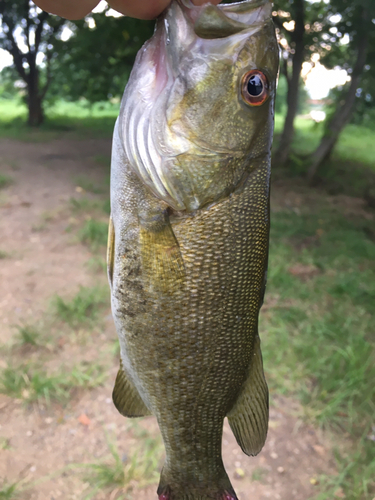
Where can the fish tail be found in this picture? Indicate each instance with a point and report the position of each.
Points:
(221, 490)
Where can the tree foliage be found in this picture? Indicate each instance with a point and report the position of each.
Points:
(95, 62)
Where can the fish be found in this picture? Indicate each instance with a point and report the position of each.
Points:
(189, 235)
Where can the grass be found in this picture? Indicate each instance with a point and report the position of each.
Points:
(259, 474)
(83, 204)
(83, 308)
(74, 120)
(140, 466)
(97, 264)
(33, 384)
(5, 181)
(318, 334)
(4, 444)
(4, 255)
(28, 335)
(8, 491)
(94, 233)
(87, 185)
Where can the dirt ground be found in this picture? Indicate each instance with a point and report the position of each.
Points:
(47, 445)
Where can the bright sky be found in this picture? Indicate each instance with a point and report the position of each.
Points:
(318, 79)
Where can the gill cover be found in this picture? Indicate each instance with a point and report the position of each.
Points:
(162, 144)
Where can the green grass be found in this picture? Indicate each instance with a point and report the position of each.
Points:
(83, 308)
(4, 255)
(28, 335)
(33, 384)
(94, 233)
(74, 120)
(141, 465)
(97, 264)
(87, 185)
(8, 491)
(356, 143)
(4, 443)
(259, 474)
(84, 204)
(351, 168)
(5, 181)
(318, 339)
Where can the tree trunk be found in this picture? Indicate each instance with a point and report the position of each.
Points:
(34, 98)
(283, 151)
(36, 115)
(343, 113)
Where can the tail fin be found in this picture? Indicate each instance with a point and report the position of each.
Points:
(196, 490)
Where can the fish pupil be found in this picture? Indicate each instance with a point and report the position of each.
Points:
(255, 85)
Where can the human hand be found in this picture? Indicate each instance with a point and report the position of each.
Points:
(141, 9)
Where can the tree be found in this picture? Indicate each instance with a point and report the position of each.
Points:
(356, 23)
(95, 62)
(26, 32)
(300, 27)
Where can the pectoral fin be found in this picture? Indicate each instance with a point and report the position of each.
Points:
(110, 250)
(248, 418)
(161, 257)
(126, 397)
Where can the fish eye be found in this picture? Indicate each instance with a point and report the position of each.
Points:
(254, 87)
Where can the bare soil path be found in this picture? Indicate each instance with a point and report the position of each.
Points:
(45, 447)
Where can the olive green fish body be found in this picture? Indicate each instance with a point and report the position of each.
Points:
(188, 249)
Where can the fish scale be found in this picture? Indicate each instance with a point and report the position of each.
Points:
(188, 274)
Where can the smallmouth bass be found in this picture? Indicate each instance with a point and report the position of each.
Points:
(188, 236)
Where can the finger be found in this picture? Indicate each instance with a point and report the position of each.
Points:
(70, 9)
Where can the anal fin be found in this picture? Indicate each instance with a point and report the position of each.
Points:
(248, 418)
(126, 397)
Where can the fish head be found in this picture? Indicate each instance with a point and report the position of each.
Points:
(197, 112)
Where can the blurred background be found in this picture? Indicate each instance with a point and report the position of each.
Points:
(60, 88)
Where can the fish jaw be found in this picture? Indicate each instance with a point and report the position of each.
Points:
(166, 138)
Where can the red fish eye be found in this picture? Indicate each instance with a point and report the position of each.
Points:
(254, 87)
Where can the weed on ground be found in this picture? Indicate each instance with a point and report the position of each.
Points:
(97, 264)
(27, 335)
(8, 491)
(87, 185)
(83, 204)
(94, 233)
(32, 383)
(139, 467)
(83, 308)
(5, 181)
